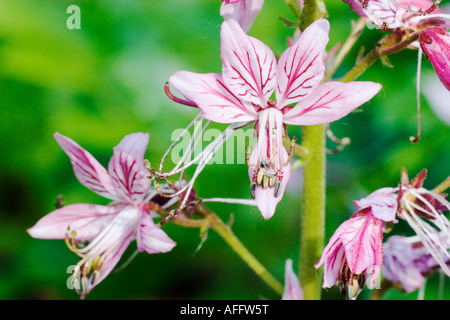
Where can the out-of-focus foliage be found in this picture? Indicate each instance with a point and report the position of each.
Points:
(99, 83)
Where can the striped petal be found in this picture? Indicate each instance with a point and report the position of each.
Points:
(301, 67)
(331, 101)
(87, 169)
(126, 168)
(244, 12)
(248, 65)
(435, 42)
(150, 238)
(362, 240)
(86, 220)
(216, 101)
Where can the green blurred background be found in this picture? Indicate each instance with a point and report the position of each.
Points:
(97, 84)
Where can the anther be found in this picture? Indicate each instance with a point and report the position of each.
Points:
(277, 191)
(260, 175)
(265, 182)
(252, 189)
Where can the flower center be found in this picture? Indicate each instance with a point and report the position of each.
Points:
(269, 156)
(98, 252)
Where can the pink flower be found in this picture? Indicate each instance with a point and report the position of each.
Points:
(407, 262)
(382, 13)
(100, 234)
(292, 287)
(423, 211)
(242, 11)
(355, 251)
(407, 16)
(230, 1)
(250, 75)
(435, 42)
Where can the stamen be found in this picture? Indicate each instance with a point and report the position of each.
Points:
(342, 143)
(231, 200)
(277, 191)
(419, 127)
(247, 155)
(428, 236)
(197, 117)
(291, 151)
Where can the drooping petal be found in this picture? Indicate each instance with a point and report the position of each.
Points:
(86, 220)
(292, 287)
(87, 169)
(269, 168)
(151, 238)
(243, 12)
(213, 97)
(267, 200)
(362, 240)
(248, 65)
(332, 258)
(126, 168)
(435, 42)
(301, 67)
(331, 101)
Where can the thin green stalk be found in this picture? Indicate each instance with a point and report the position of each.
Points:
(312, 221)
(312, 11)
(225, 232)
(295, 8)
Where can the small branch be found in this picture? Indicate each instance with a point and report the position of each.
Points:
(295, 8)
(312, 11)
(386, 46)
(225, 232)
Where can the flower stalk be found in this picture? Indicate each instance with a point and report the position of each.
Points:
(225, 232)
(312, 223)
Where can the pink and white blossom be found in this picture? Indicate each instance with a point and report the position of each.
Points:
(409, 16)
(242, 11)
(292, 287)
(250, 75)
(407, 262)
(99, 234)
(355, 251)
(423, 210)
(382, 13)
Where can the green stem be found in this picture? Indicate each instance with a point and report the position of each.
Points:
(295, 8)
(225, 232)
(312, 11)
(386, 46)
(312, 221)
